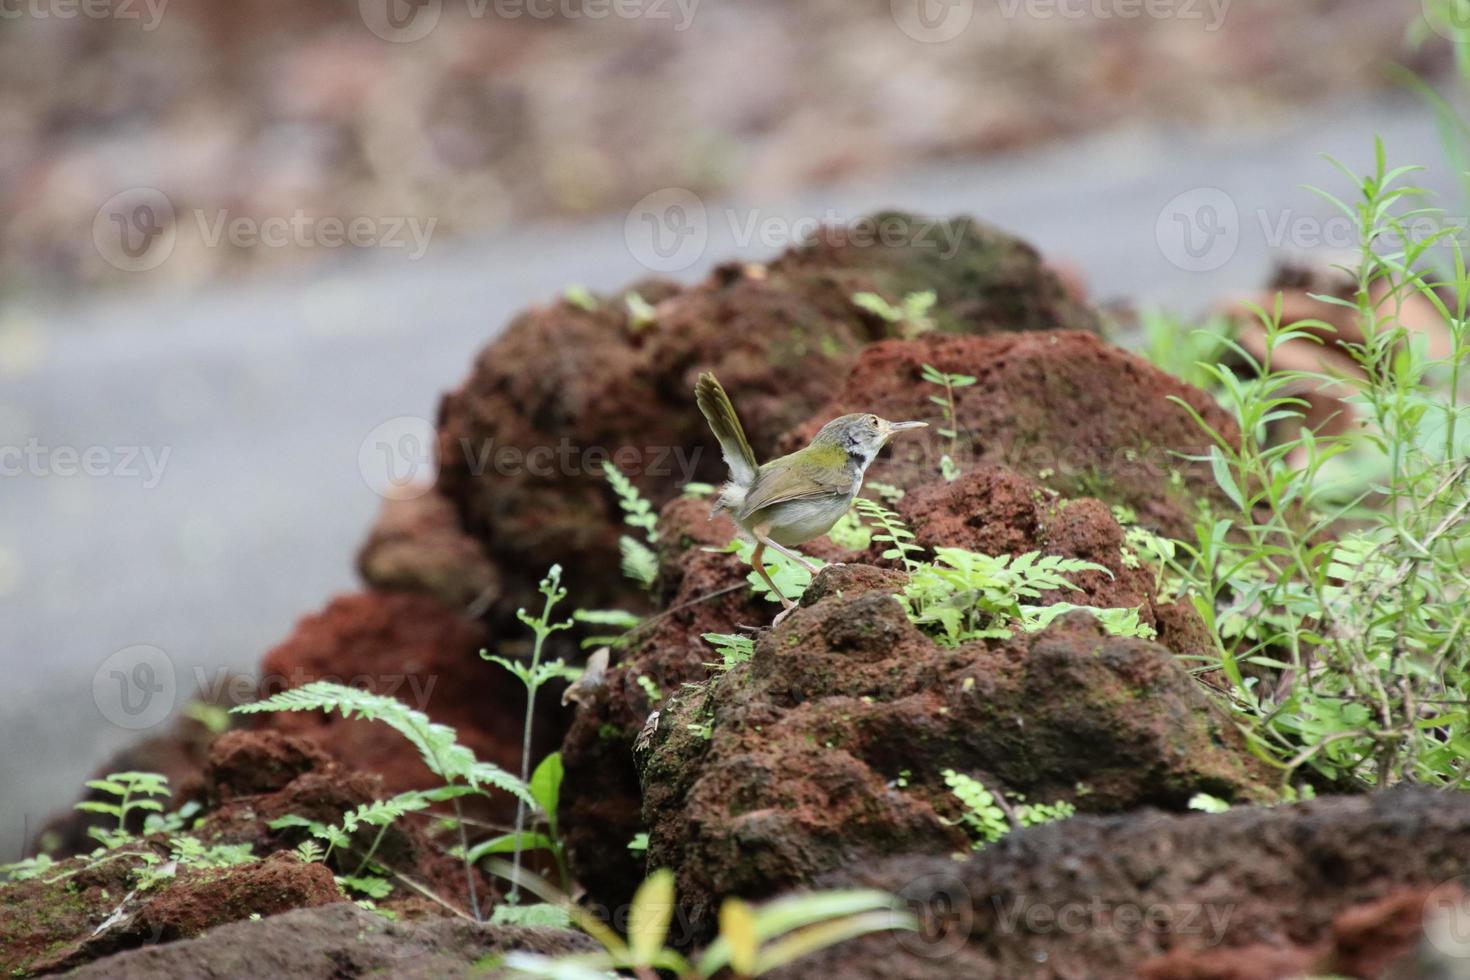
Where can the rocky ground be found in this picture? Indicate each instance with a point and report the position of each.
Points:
(819, 760)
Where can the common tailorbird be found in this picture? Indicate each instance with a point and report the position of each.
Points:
(798, 497)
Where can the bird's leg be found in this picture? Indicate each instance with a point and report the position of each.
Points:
(800, 559)
(760, 568)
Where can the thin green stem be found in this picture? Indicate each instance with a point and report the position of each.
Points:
(532, 685)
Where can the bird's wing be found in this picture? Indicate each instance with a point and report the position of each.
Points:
(725, 424)
(776, 484)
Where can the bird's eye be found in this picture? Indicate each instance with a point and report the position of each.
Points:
(873, 421)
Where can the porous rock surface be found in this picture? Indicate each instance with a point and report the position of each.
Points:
(828, 746)
(991, 508)
(334, 942)
(1065, 408)
(1333, 887)
(521, 441)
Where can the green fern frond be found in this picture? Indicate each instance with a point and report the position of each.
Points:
(437, 744)
(637, 511)
(639, 561)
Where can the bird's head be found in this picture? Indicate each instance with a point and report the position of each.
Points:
(862, 435)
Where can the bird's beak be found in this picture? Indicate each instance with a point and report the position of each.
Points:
(896, 427)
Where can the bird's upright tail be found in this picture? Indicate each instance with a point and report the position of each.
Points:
(725, 424)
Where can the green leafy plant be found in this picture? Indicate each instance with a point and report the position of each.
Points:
(640, 563)
(134, 792)
(950, 430)
(641, 314)
(890, 529)
(965, 596)
(1334, 582)
(1117, 622)
(380, 814)
(156, 858)
(533, 675)
(615, 618)
(1182, 350)
(988, 818)
(437, 745)
(545, 785)
(1036, 814)
(982, 816)
(650, 687)
(753, 940)
(851, 533)
(1205, 803)
(790, 576)
(910, 317)
(581, 297)
(734, 649)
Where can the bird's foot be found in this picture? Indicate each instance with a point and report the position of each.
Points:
(781, 616)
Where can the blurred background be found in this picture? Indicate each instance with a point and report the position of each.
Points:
(243, 245)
